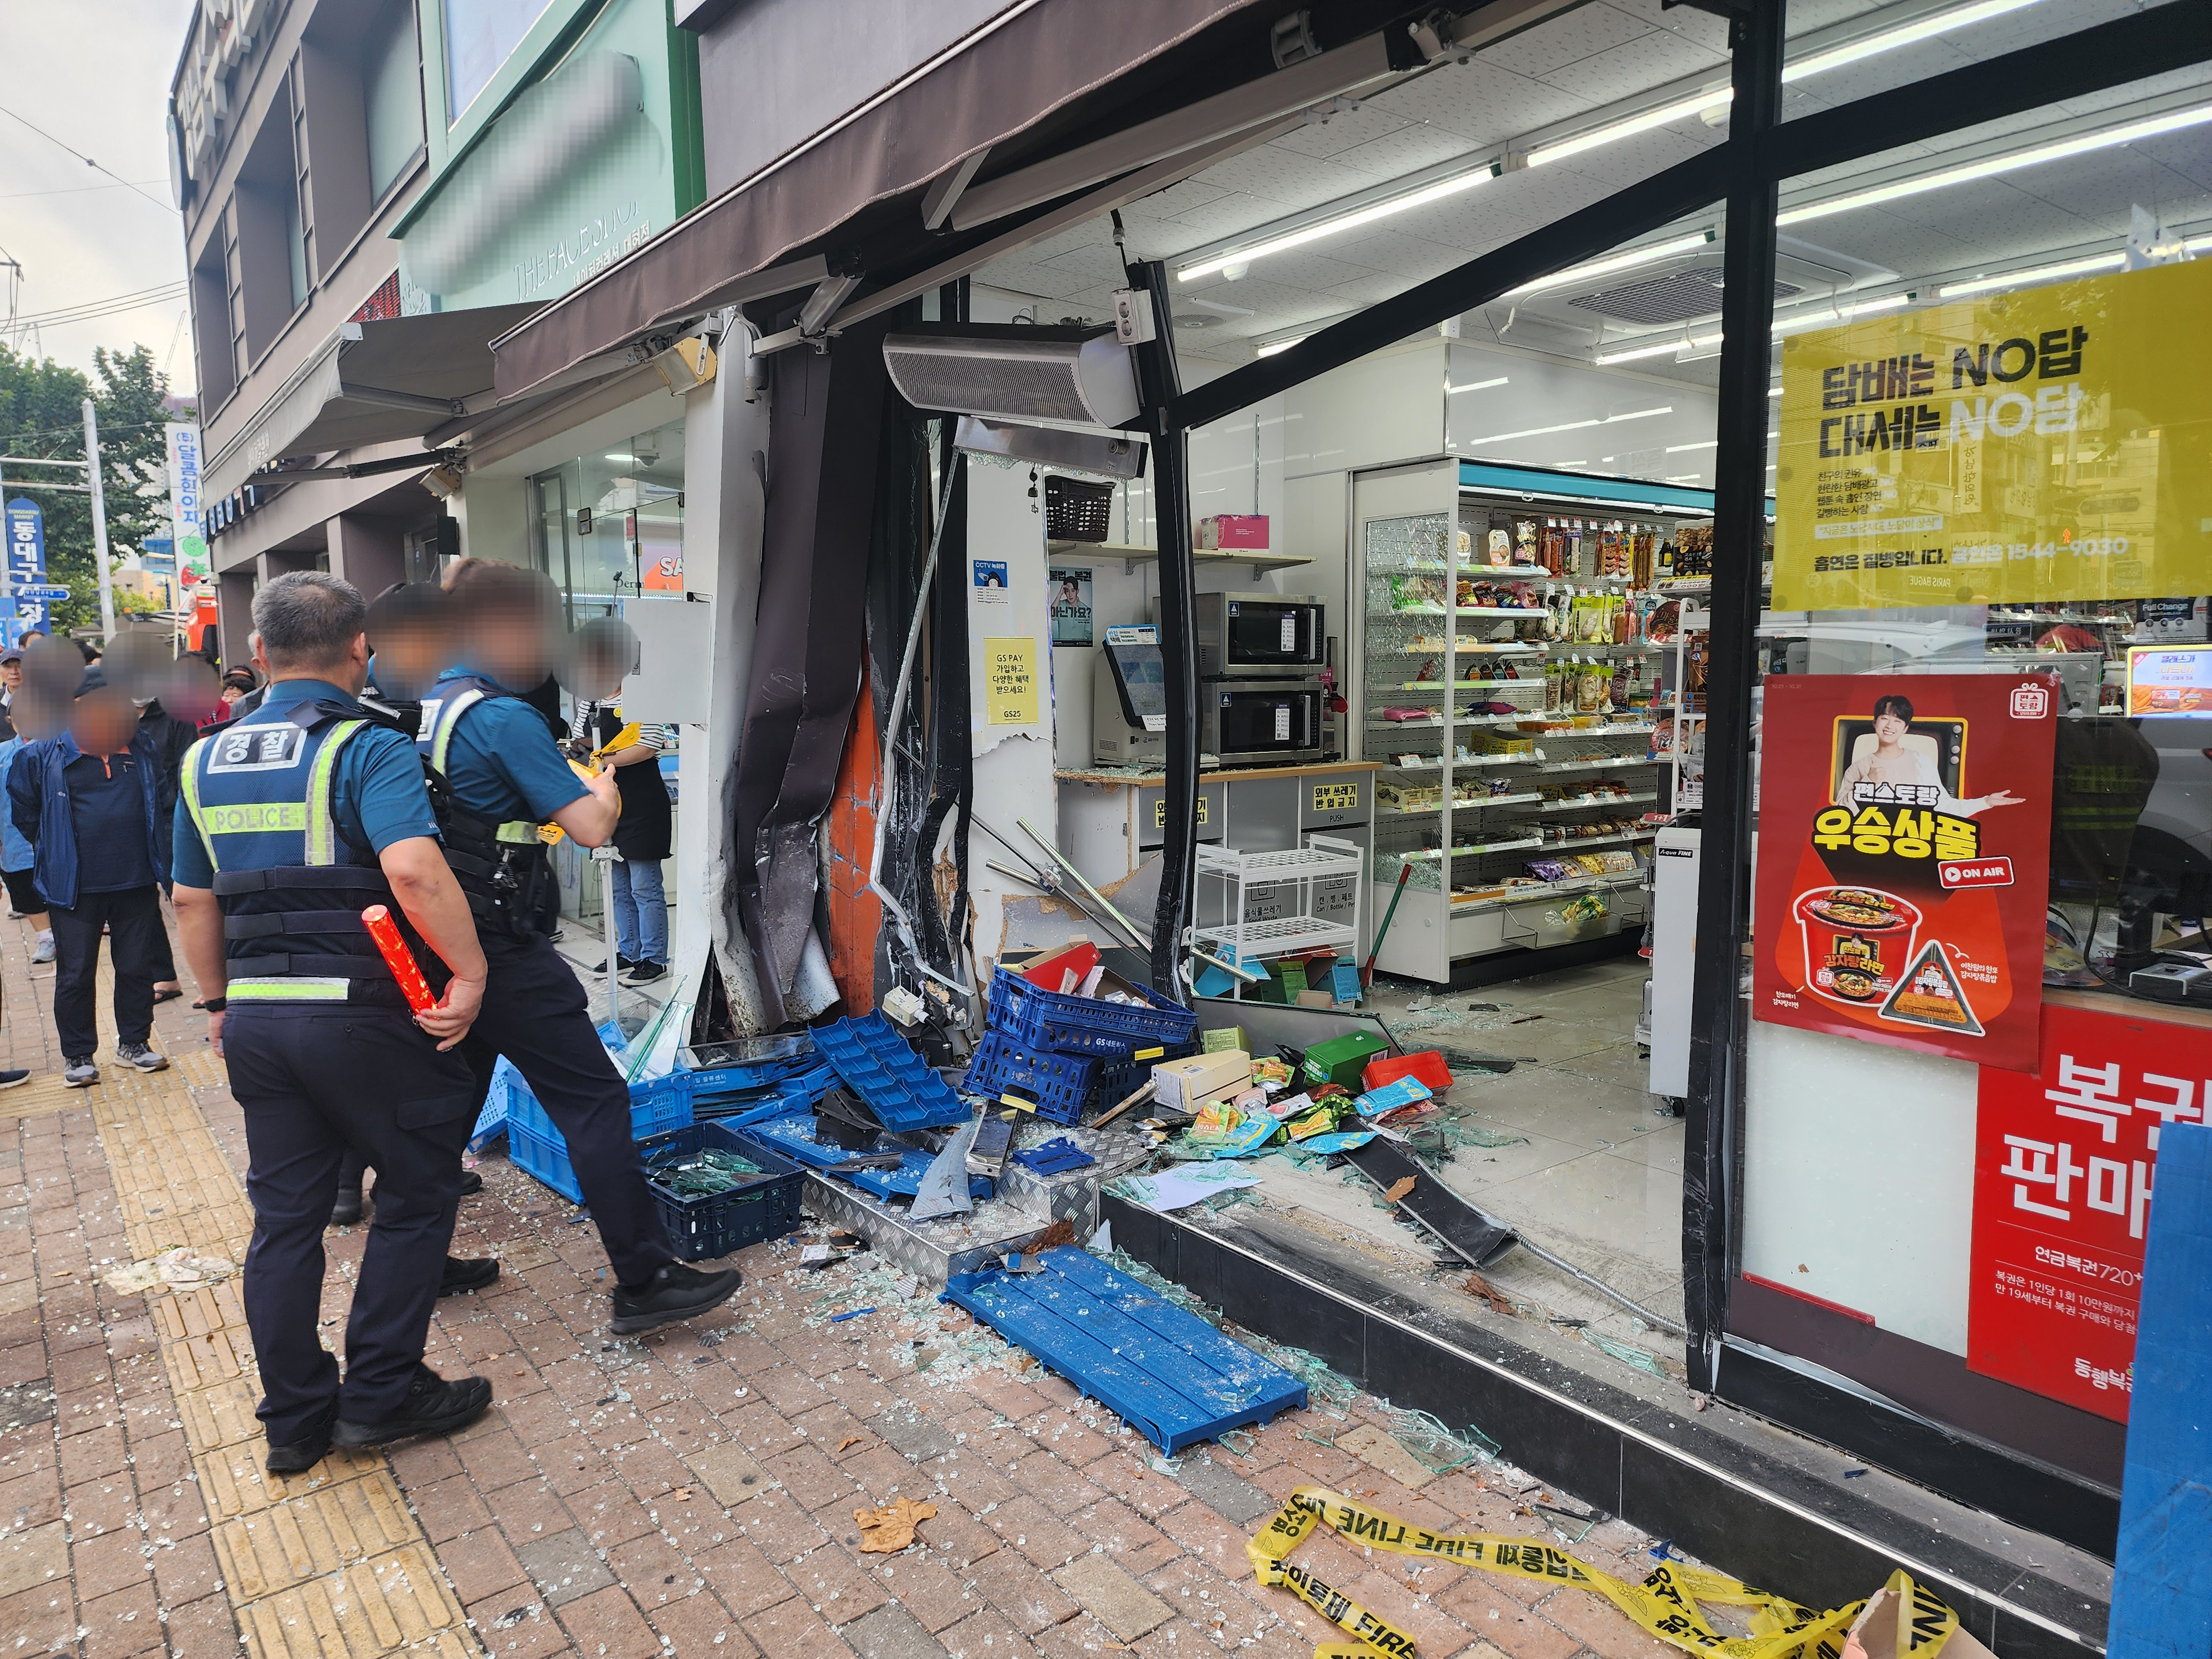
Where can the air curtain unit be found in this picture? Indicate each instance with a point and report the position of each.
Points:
(1009, 373)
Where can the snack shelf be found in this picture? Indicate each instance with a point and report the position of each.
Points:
(1547, 889)
(1435, 855)
(1580, 842)
(1586, 801)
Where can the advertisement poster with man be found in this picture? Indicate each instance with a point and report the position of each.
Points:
(1904, 860)
(1070, 605)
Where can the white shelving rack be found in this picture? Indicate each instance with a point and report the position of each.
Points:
(1452, 812)
(1272, 896)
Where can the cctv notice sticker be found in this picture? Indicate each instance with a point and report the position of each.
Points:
(1904, 860)
(2054, 443)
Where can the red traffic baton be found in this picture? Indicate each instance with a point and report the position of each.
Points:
(398, 958)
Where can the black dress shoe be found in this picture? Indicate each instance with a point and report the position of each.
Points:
(472, 1182)
(675, 1292)
(347, 1210)
(297, 1456)
(467, 1273)
(432, 1406)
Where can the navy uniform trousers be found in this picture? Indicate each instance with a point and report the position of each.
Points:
(535, 1012)
(314, 1082)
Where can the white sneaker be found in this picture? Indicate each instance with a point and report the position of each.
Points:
(46, 950)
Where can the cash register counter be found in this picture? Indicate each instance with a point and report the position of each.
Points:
(1111, 821)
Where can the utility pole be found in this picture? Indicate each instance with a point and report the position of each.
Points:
(99, 526)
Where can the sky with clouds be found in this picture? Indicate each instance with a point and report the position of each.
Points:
(94, 74)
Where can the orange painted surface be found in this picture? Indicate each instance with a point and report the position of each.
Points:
(856, 915)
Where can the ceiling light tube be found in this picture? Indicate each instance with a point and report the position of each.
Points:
(1710, 98)
(1572, 426)
(1827, 316)
(1574, 275)
(1274, 347)
(2058, 151)
(1906, 34)
(1480, 174)
(1474, 385)
(2034, 274)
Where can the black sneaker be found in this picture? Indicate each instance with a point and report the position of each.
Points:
(347, 1210)
(472, 1182)
(467, 1273)
(622, 964)
(644, 973)
(297, 1456)
(13, 1076)
(675, 1292)
(434, 1406)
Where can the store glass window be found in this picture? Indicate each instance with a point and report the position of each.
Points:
(1984, 802)
(608, 525)
(481, 35)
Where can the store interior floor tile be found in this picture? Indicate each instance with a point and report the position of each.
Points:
(1569, 1147)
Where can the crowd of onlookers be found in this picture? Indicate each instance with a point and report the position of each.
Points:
(92, 750)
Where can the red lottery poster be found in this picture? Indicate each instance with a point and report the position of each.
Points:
(2064, 1168)
(1903, 859)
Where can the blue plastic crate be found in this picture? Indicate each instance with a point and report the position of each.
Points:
(1166, 1372)
(705, 1227)
(539, 1148)
(878, 1065)
(1038, 1019)
(1059, 1084)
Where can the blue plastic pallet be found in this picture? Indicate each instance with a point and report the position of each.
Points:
(1168, 1373)
(881, 1066)
(906, 1181)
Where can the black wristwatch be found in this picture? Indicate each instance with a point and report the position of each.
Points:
(214, 1004)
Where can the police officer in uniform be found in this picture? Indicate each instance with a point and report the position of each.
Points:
(288, 822)
(500, 775)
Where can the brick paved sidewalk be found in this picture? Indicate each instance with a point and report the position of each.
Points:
(692, 1493)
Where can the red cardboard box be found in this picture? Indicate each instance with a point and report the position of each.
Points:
(1245, 531)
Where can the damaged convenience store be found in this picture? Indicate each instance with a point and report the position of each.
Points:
(1247, 582)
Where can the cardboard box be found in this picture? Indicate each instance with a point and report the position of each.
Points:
(1247, 531)
(1187, 1084)
(1340, 1060)
(1222, 1038)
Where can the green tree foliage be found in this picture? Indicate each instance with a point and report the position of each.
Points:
(40, 415)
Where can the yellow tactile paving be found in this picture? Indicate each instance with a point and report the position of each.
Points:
(329, 1565)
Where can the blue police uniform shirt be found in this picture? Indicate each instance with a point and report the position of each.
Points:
(377, 796)
(501, 763)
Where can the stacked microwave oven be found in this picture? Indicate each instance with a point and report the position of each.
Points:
(1260, 661)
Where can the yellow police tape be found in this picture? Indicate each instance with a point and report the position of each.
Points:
(1665, 1604)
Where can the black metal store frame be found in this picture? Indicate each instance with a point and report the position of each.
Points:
(1745, 172)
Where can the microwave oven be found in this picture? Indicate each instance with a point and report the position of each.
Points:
(1242, 722)
(1259, 635)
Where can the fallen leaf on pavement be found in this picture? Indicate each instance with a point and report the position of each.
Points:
(890, 1529)
(1498, 1301)
(850, 1440)
(680, 1495)
(1400, 1189)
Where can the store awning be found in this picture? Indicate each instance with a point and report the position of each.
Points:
(1031, 60)
(370, 383)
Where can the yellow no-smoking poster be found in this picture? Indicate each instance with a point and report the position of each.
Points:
(1010, 682)
(2054, 443)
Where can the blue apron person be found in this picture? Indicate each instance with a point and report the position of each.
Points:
(498, 775)
(289, 822)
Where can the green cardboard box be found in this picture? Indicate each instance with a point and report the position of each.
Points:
(1340, 1060)
(1223, 1037)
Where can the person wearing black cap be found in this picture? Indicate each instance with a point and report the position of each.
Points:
(88, 802)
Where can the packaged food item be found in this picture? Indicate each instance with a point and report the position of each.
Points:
(1548, 869)
(1589, 688)
(1271, 1072)
(1500, 548)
